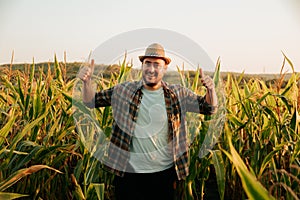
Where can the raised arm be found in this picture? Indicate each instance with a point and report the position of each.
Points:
(85, 75)
(211, 96)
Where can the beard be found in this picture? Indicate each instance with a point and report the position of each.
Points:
(150, 83)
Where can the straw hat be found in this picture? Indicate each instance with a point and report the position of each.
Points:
(157, 51)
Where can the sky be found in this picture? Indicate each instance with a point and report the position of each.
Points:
(247, 35)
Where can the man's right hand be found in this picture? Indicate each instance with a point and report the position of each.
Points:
(86, 72)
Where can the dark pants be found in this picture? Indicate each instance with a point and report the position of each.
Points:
(143, 186)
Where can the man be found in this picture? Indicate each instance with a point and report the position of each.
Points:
(149, 145)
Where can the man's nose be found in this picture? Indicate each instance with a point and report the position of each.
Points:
(152, 69)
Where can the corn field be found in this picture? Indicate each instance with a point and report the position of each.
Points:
(42, 156)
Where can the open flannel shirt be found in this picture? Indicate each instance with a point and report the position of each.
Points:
(125, 99)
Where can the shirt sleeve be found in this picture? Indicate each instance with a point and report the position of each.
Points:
(101, 99)
(196, 103)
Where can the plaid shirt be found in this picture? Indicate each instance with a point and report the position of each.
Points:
(125, 99)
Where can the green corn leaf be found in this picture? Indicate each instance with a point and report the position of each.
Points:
(78, 193)
(268, 159)
(241, 76)
(236, 120)
(98, 188)
(124, 70)
(9, 86)
(251, 185)
(58, 72)
(37, 104)
(10, 196)
(31, 75)
(27, 158)
(217, 74)
(195, 81)
(21, 93)
(235, 90)
(15, 152)
(289, 61)
(220, 171)
(29, 127)
(258, 102)
(30, 89)
(4, 131)
(16, 176)
(247, 91)
(289, 86)
(270, 112)
(295, 121)
(180, 74)
(77, 103)
(106, 115)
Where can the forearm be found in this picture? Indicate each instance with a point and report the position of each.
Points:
(88, 92)
(211, 97)
(212, 100)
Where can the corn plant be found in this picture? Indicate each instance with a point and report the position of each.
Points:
(263, 125)
(203, 155)
(255, 155)
(40, 153)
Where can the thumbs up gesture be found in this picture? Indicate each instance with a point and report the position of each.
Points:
(86, 72)
(85, 75)
(211, 96)
(207, 81)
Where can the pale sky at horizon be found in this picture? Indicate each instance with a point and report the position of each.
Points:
(247, 35)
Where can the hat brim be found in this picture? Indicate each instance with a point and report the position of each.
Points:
(166, 59)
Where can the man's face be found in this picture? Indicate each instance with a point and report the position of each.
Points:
(153, 71)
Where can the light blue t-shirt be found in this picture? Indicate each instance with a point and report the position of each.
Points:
(150, 149)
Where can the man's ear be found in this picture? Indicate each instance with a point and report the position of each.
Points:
(165, 68)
